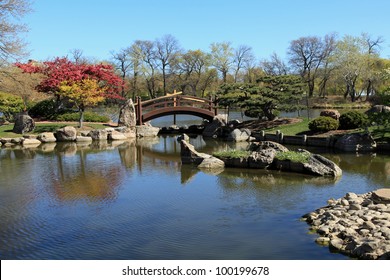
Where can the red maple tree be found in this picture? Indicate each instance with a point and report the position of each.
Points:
(62, 70)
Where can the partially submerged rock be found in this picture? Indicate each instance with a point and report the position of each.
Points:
(190, 156)
(214, 128)
(356, 142)
(68, 133)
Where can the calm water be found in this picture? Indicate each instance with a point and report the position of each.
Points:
(134, 200)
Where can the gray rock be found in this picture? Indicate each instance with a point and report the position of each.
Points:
(68, 133)
(115, 135)
(262, 145)
(184, 137)
(319, 165)
(23, 123)
(47, 137)
(211, 163)
(214, 128)
(379, 109)
(238, 135)
(127, 115)
(334, 114)
(30, 142)
(147, 131)
(85, 139)
(261, 159)
(188, 154)
(356, 142)
(98, 134)
(129, 132)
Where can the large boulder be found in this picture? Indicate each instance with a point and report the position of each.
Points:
(214, 128)
(356, 142)
(23, 124)
(188, 153)
(378, 109)
(316, 165)
(239, 135)
(321, 166)
(98, 134)
(115, 135)
(147, 131)
(262, 158)
(68, 133)
(47, 137)
(129, 132)
(334, 114)
(127, 115)
(262, 145)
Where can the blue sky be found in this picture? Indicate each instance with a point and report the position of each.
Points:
(100, 26)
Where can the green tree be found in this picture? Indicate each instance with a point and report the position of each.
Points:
(265, 98)
(10, 105)
(222, 57)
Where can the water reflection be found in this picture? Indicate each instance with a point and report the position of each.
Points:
(134, 200)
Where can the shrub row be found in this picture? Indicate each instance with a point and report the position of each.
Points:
(348, 120)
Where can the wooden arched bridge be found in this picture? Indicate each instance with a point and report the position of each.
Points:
(174, 104)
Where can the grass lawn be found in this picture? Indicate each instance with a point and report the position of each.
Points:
(6, 130)
(292, 129)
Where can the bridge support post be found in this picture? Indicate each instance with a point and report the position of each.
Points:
(139, 111)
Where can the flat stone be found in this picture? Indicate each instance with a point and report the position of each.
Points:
(382, 195)
(83, 139)
(31, 142)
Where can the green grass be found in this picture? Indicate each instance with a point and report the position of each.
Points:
(232, 154)
(293, 156)
(292, 129)
(381, 133)
(6, 130)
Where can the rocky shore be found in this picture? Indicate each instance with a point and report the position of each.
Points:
(355, 225)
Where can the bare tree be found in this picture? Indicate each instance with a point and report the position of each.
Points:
(146, 52)
(275, 66)
(78, 56)
(243, 56)
(122, 62)
(373, 45)
(307, 55)
(11, 45)
(167, 49)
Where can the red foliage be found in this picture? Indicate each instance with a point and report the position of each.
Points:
(62, 69)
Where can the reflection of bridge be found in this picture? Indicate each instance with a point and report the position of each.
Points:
(174, 104)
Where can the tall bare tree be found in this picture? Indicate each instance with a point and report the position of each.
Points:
(167, 49)
(11, 44)
(274, 66)
(122, 62)
(306, 56)
(243, 57)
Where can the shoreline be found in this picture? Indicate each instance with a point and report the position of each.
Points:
(355, 225)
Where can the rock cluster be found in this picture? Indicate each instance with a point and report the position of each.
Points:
(70, 134)
(355, 225)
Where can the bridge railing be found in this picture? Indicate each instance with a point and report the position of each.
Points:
(174, 100)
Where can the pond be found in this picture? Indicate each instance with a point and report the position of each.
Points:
(134, 200)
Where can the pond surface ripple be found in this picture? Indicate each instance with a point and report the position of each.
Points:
(134, 200)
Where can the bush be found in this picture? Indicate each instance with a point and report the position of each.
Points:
(10, 105)
(353, 119)
(44, 109)
(323, 124)
(88, 117)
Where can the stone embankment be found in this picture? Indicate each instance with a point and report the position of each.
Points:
(70, 134)
(355, 225)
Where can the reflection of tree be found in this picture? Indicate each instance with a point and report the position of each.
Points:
(81, 178)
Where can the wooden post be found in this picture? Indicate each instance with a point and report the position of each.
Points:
(139, 110)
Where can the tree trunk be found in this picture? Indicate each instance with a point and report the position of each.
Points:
(81, 120)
